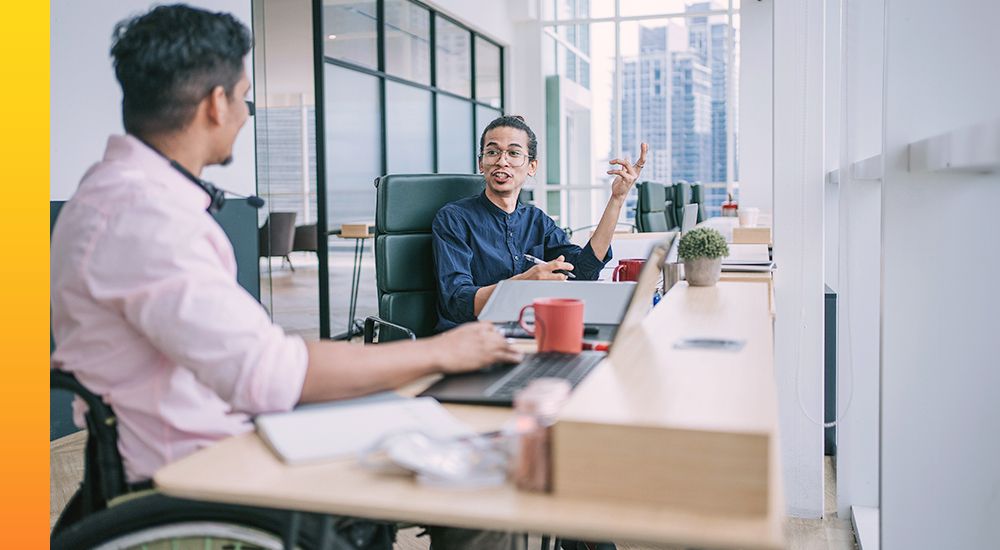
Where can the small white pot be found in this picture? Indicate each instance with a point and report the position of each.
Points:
(703, 271)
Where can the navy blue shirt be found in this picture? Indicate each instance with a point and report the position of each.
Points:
(477, 244)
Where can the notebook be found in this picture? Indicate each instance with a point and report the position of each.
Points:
(497, 384)
(325, 433)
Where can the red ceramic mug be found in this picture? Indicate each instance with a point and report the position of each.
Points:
(558, 324)
(628, 270)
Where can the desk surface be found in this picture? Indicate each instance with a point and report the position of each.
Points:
(243, 470)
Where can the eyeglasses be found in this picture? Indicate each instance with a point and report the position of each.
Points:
(514, 157)
(251, 107)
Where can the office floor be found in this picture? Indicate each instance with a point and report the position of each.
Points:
(293, 297)
(832, 533)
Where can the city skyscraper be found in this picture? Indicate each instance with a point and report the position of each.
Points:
(674, 97)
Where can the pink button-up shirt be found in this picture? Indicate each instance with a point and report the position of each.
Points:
(147, 313)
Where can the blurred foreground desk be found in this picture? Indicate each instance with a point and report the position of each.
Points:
(715, 412)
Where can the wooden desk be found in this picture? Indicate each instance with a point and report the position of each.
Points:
(242, 470)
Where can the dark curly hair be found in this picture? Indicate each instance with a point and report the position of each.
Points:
(511, 121)
(169, 59)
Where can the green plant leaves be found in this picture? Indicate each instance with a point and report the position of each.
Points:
(702, 242)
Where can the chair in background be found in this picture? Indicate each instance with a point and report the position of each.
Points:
(305, 239)
(681, 197)
(405, 206)
(277, 236)
(698, 197)
(652, 208)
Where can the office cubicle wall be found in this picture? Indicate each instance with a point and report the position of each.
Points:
(940, 413)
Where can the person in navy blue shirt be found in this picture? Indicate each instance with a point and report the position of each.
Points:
(482, 240)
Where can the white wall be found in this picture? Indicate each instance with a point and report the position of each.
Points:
(284, 42)
(798, 250)
(86, 99)
(756, 107)
(940, 485)
(859, 254)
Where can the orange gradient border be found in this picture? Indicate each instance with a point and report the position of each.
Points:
(24, 275)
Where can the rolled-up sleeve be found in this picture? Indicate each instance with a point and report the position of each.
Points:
(453, 265)
(586, 265)
(180, 296)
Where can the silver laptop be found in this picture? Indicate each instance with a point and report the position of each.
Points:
(690, 218)
(496, 385)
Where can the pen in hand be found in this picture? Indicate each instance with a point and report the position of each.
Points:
(536, 261)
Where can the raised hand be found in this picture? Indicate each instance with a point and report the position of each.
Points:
(626, 176)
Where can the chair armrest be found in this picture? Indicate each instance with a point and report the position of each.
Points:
(372, 322)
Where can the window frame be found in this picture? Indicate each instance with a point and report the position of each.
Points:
(321, 60)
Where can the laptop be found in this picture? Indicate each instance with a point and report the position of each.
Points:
(497, 384)
(690, 218)
(606, 302)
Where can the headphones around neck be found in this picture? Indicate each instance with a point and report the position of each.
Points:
(217, 196)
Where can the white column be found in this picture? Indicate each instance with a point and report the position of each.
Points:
(859, 254)
(798, 249)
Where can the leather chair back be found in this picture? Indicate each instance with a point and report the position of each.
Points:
(405, 206)
(650, 207)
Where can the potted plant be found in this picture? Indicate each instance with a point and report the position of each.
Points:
(702, 250)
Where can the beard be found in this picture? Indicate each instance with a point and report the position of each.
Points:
(226, 161)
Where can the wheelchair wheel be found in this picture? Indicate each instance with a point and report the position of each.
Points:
(159, 522)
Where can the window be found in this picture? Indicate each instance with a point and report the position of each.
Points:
(672, 86)
(405, 90)
(408, 41)
(349, 31)
(454, 63)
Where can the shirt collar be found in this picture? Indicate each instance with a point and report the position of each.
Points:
(496, 210)
(129, 150)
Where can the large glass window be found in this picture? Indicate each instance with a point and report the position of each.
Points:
(487, 72)
(390, 107)
(409, 133)
(408, 41)
(672, 86)
(350, 31)
(353, 144)
(454, 60)
(456, 145)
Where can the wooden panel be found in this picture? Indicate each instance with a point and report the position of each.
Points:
(751, 235)
(682, 427)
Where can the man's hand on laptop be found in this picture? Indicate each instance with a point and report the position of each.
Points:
(548, 271)
(473, 346)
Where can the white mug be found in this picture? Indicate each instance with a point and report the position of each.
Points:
(748, 216)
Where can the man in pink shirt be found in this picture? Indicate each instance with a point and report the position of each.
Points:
(146, 310)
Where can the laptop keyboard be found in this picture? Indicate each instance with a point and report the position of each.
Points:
(544, 365)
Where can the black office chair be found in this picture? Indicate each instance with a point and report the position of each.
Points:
(277, 236)
(698, 197)
(405, 206)
(681, 198)
(653, 211)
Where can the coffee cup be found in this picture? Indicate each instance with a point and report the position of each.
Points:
(748, 216)
(628, 269)
(558, 324)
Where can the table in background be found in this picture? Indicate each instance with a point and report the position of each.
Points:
(360, 232)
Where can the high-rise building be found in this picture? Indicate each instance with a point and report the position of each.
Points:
(674, 97)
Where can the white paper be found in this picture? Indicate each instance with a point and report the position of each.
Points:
(337, 432)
